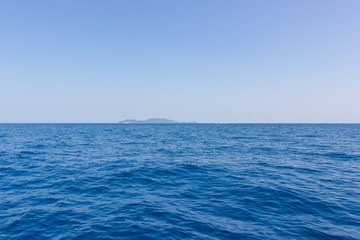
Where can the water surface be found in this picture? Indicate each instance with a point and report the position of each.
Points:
(180, 181)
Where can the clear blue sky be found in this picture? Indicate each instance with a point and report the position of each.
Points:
(198, 60)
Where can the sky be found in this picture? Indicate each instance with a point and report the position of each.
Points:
(223, 61)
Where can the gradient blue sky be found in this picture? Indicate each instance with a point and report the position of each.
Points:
(198, 60)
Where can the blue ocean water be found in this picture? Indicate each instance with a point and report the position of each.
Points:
(180, 181)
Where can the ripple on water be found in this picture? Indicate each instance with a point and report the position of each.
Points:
(194, 181)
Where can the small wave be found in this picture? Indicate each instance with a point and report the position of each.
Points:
(39, 146)
(309, 136)
(242, 137)
(29, 152)
(343, 156)
(265, 149)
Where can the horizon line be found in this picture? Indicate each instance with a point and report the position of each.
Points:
(180, 123)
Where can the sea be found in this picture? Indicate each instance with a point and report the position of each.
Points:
(179, 181)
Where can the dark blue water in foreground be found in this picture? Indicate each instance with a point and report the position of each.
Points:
(191, 181)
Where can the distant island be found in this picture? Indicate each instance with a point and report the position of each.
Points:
(152, 120)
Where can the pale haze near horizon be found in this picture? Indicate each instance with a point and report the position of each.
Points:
(204, 61)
